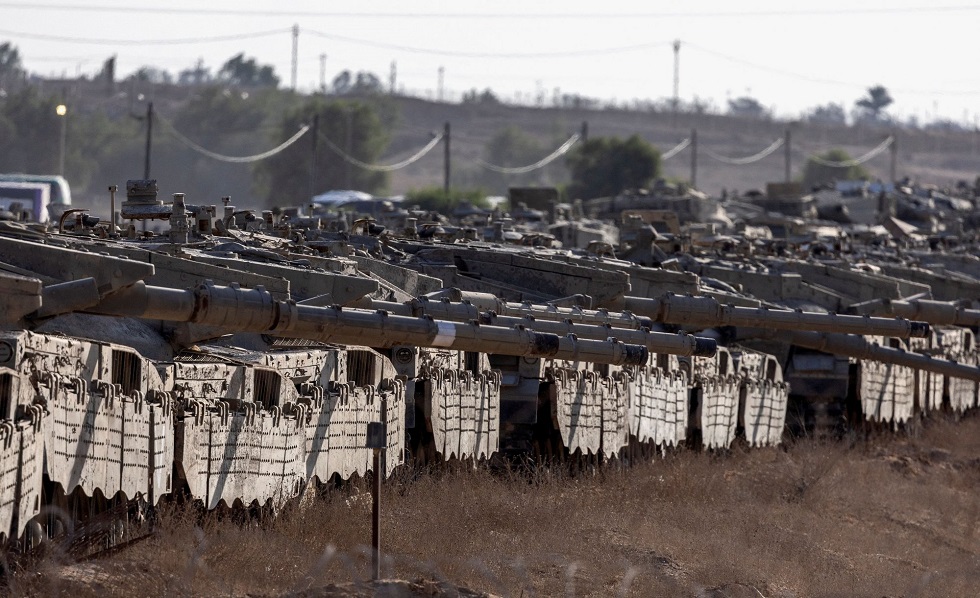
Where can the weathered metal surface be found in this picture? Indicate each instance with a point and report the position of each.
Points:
(590, 411)
(718, 407)
(764, 415)
(615, 422)
(886, 391)
(21, 296)
(464, 410)
(960, 345)
(764, 397)
(100, 439)
(336, 428)
(658, 402)
(577, 409)
(241, 457)
(21, 467)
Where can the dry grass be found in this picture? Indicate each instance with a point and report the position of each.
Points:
(895, 515)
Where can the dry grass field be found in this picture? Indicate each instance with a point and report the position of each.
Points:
(889, 514)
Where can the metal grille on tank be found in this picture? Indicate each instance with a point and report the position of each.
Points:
(278, 342)
(267, 388)
(126, 371)
(360, 368)
(473, 362)
(6, 396)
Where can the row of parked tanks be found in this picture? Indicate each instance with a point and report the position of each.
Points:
(237, 361)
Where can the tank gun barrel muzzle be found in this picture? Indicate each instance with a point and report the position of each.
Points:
(859, 348)
(705, 312)
(934, 312)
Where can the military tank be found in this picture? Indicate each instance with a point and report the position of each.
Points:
(235, 358)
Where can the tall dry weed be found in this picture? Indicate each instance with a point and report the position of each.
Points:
(892, 514)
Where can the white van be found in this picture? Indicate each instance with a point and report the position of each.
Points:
(58, 197)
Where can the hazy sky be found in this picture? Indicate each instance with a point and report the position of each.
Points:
(788, 55)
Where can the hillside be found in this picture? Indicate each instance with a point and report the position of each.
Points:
(930, 156)
(942, 158)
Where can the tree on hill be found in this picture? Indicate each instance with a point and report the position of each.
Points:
(606, 166)
(153, 74)
(361, 83)
(828, 114)
(747, 107)
(197, 75)
(874, 104)
(247, 72)
(11, 67)
(815, 173)
(480, 97)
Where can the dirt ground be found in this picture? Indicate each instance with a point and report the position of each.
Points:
(883, 514)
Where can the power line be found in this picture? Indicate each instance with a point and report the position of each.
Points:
(748, 159)
(667, 155)
(856, 161)
(561, 150)
(560, 54)
(382, 167)
(821, 81)
(143, 41)
(240, 12)
(233, 159)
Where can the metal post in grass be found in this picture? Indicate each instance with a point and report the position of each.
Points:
(376, 442)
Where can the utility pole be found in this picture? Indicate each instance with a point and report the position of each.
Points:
(316, 129)
(393, 77)
(149, 140)
(62, 112)
(894, 164)
(694, 158)
(376, 441)
(442, 72)
(350, 134)
(677, 77)
(323, 74)
(445, 141)
(295, 55)
(585, 131)
(788, 157)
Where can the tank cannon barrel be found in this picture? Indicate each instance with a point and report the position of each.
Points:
(656, 342)
(686, 345)
(707, 312)
(859, 348)
(927, 310)
(447, 299)
(255, 310)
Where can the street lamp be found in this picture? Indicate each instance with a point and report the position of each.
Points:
(62, 111)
